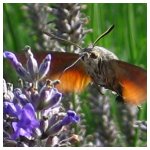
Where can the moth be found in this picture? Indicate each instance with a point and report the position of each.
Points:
(99, 66)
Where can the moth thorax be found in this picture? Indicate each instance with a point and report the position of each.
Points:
(103, 53)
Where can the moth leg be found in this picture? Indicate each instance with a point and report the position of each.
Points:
(98, 87)
(118, 90)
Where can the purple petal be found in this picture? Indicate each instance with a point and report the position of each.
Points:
(23, 132)
(28, 117)
(18, 108)
(71, 113)
(29, 111)
(14, 125)
(74, 118)
(55, 100)
(9, 108)
(20, 132)
(70, 118)
(27, 122)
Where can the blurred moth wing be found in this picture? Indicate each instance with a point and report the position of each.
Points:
(75, 79)
(132, 82)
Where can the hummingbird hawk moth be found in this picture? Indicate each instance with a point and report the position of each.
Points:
(100, 66)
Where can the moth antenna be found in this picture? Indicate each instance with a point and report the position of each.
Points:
(58, 38)
(71, 65)
(102, 35)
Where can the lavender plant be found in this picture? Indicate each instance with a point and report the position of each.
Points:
(69, 23)
(33, 114)
(39, 13)
(106, 134)
(63, 20)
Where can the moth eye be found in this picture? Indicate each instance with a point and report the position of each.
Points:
(93, 56)
(86, 55)
(83, 58)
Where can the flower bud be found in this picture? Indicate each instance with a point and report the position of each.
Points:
(22, 72)
(11, 57)
(32, 65)
(44, 67)
(55, 129)
(21, 97)
(49, 97)
(44, 123)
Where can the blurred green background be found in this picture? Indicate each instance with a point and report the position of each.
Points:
(128, 40)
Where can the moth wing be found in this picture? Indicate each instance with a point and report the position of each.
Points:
(75, 79)
(132, 80)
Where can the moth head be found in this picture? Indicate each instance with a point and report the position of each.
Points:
(98, 53)
(90, 53)
(94, 52)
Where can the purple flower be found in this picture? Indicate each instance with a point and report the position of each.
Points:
(27, 123)
(70, 118)
(49, 97)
